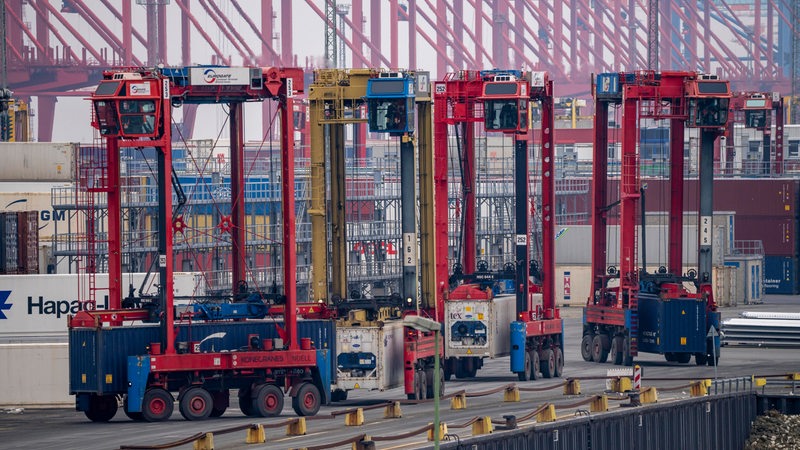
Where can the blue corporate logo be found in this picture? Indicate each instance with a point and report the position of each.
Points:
(3, 305)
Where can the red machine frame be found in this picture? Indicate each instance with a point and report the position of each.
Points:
(160, 90)
(611, 315)
(461, 99)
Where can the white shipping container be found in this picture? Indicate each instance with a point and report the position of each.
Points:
(724, 287)
(749, 278)
(37, 161)
(36, 197)
(369, 357)
(479, 327)
(34, 308)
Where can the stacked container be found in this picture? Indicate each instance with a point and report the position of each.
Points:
(28, 242)
(8, 242)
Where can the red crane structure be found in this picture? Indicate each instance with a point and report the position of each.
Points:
(479, 323)
(630, 309)
(58, 47)
(132, 108)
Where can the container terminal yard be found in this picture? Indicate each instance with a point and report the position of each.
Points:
(556, 227)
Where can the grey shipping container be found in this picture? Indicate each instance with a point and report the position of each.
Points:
(98, 358)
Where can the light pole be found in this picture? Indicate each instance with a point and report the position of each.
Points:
(424, 324)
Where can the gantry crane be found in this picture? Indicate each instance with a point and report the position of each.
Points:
(133, 108)
(370, 336)
(479, 323)
(629, 309)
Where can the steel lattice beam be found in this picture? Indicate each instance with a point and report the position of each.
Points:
(752, 44)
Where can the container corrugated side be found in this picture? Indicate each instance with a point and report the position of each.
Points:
(28, 242)
(37, 161)
(98, 357)
(8, 242)
(671, 325)
(780, 275)
(384, 342)
(778, 233)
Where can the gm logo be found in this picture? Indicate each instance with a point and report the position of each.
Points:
(44, 215)
(3, 306)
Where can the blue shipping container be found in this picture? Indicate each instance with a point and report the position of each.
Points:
(671, 325)
(98, 358)
(780, 275)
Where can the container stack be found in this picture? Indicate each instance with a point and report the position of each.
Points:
(8, 243)
(28, 242)
(19, 242)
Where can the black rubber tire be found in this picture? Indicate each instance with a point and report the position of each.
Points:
(448, 372)
(222, 399)
(683, 358)
(599, 348)
(157, 405)
(627, 358)
(307, 400)
(586, 347)
(102, 408)
(470, 367)
(338, 395)
(525, 375)
(616, 350)
(196, 404)
(428, 382)
(422, 387)
(559, 357)
(548, 363)
(712, 361)
(268, 400)
(135, 416)
(700, 359)
(536, 365)
(246, 402)
(670, 357)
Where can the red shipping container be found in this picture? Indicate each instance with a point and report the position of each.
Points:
(778, 234)
(28, 242)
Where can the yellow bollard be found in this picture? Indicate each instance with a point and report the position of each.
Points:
(511, 394)
(547, 415)
(355, 418)
(442, 431)
(205, 443)
(700, 388)
(573, 387)
(648, 395)
(621, 384)
(296, 427)
(392, 411)
(256, 435)
(459, 401)
(482, 426)
(759, 382)
(599, 404)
